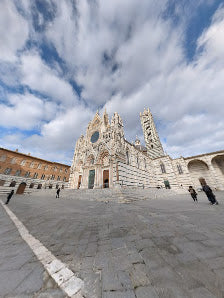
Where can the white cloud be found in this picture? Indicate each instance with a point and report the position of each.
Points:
(26, 111)
(38, 76)
(212, 42)
(126, 56)
(13, 31)
(56, 138)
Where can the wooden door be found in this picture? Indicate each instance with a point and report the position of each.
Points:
(21, 188)
(79, 182)
(105, 178)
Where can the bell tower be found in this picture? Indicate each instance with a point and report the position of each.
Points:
(152, 141)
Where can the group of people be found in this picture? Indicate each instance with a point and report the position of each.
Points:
(208, 191)
(12, 192)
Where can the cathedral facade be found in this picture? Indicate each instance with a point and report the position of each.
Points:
(104, 158)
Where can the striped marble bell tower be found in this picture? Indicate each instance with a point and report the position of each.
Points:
(152, 141)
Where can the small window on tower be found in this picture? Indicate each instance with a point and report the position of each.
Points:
(163, 169)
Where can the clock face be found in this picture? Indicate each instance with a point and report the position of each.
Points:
(95, 137)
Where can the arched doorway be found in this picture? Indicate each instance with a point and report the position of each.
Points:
(79, 182)
(218, 165)
(21, 188)
(199, 172)
(2, 182)
(31, 185)
(106, 179)
(218, 162)
(12, 184)
(39, 186)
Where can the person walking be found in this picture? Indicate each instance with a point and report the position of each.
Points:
(193, 193)
(9, 197)
(57, 192)
(210, 194)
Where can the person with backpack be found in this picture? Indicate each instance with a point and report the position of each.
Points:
(209, 193)
(193, 193)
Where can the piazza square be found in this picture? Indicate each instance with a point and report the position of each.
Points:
(111, 149)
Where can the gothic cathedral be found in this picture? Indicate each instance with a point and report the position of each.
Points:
(104, 158)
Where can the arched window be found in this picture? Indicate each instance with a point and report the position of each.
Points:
(23, 162)
(13, 161)
(18, 173)
(163, 169)
(127, 157)
(7, 171)
(35, 175)
(39, 166)
(137, 161)
(3, 158)
(32, 164)
(179, 168)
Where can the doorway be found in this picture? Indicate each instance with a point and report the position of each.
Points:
(202, 181)
(167, 184)
(79, 181)
(91, 179)
(21, 188)
(106, 179)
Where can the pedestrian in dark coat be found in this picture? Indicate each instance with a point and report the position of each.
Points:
(9, 197)
(57, 192)
(209, 194)
(193, 193)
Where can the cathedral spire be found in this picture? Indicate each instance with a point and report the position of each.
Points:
(152, 141)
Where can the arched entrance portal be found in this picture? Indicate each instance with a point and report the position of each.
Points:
(199, 172)
(106, 179)
(218, 162)
(21, 188)
(218, 165)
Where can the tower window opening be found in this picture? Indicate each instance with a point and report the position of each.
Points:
(163, 169)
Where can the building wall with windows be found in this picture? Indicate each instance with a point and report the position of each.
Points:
(17, 168)
(104, 158)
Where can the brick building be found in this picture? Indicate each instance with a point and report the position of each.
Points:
(23, 172)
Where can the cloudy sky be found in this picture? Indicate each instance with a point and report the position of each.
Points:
(60, 61)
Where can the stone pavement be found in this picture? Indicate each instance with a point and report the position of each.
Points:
(21, 274)
(148, 248)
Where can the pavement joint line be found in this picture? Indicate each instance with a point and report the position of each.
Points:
(63, 276)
